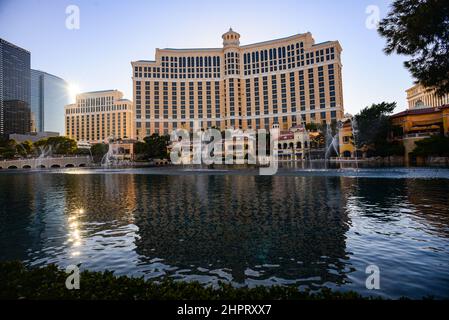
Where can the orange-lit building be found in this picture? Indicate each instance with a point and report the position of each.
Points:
(98, 116)
(418, 124)
(346, 140)
(287, 81)
(419, 97)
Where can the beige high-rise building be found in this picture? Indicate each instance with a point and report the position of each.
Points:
(286, 81)
(98, 116)
(421, 97)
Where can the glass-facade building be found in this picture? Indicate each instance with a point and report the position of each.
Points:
(49, 95)
(15, 89)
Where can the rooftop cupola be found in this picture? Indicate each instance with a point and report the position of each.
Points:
(231, 38)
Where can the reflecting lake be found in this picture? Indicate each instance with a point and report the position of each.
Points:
(305, 228)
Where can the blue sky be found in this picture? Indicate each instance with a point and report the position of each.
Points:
(113, 33)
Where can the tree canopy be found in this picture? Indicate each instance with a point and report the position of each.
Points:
(436, 145)
(58, 145)
(154, 146)
(7, 148)
(98, 150)
(420, 29)
(373, 126)
(53, 145)
(373, 123)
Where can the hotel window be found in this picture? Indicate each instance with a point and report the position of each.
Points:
(174, 101)
(311, 89)
(265, 95)
(331, 85)
(323, 115)
(165, 98)
(231, 97)
(217, 99)
(200, 100)
(284, 120)
(256, 96)
(274, 94)
(283, 93)
(191, 100)
(292, 92)
(248, 95)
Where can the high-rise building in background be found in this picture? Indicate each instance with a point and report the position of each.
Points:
(15, 91)
(49, 96)
(287, 81)
(419, 97)
(98, 116)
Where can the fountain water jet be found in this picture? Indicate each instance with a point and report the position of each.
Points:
(112, 157)
(332, 143)
(108, 157)
(44, 152)
(354, 135)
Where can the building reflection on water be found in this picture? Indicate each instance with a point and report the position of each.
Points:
(48, 218)
(273, 227)
(421, 200)
(303, 230)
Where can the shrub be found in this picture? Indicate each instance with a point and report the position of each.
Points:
(20, 282)
(437, 145)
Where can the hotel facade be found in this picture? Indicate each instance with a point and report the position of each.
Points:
(419, 97)
(98, 116)
(288, 81)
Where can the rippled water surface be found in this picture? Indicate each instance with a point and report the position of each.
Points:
(307, 228)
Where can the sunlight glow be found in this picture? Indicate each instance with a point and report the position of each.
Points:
(73, 90)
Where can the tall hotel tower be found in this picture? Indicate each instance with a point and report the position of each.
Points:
(288, 81)
(15, 89)
(98, 116)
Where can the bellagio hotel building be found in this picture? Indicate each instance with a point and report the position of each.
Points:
(98, 116)
(286, 81)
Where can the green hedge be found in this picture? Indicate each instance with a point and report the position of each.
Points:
(20, 282)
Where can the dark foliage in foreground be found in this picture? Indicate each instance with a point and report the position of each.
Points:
(373, 129)
(437, 145)
(19, 282)
(420, 29)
